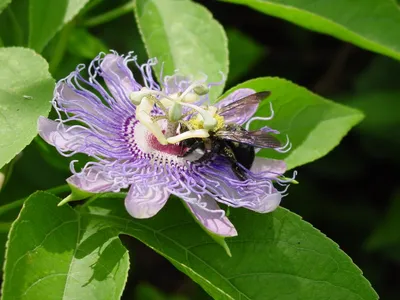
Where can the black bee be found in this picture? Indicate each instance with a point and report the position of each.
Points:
(231, 140)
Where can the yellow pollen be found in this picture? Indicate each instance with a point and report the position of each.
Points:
(198, 123)
(220, 122)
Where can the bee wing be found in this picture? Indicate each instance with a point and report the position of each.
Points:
(241, 110)
(256, 138)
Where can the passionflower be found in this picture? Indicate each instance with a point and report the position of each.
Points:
(141, 136)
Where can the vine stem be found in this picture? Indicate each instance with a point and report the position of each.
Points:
(110, 15)
(18, 203)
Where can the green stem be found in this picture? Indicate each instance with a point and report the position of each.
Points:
(110, 15)
(92, 4)
(60, 47)
(18, 203)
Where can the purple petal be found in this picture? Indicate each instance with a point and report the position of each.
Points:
(91, 180)
(118, 77)
(143, 202)
(269, 203)
(176, 83)
(58, 135)
(273, 167)
(242, 116)
(71, 100)
(211, 219)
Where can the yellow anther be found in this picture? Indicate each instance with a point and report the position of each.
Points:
(220, 122)
(201, 89)
(196, 123)
(190, 98)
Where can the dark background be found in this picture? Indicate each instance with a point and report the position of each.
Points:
(351, 194)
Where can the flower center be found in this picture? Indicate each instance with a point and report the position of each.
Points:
(173, 107)
(144, 143)
(168, 149)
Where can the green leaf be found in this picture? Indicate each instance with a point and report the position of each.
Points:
(46, 17)
(183, 35)
(368, 24)
(275, 256)
(26, 88)
(14, 24)
(84, 44)
(54, 253)
(3, 4)
(314, 125)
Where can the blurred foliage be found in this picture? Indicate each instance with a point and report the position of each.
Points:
(351, 194)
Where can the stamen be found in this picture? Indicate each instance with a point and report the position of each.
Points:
(191, 98)
(201, 90)
(136, 97)
(209, 121)
(143, 116)
(199, 133)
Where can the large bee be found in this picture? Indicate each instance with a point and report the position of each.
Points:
(231, 140)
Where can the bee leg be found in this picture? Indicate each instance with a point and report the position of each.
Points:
(209, 149)
(230, 155)
(196, 145)
(238, 171)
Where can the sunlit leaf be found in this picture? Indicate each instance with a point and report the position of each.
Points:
(55, 253)
(183, 35)
(366, 23)
(46, 17)
(3, 4)
(314, 125)
(26, 88)
(275, 255)
(67, 253)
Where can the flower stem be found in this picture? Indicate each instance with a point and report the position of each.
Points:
(18, 203)
(110, 15)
